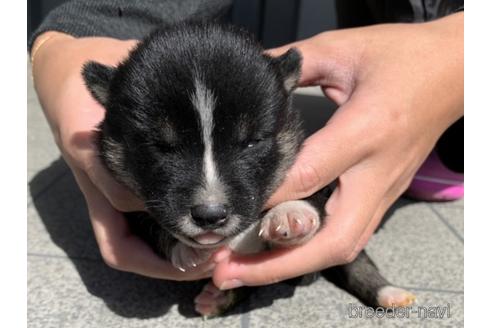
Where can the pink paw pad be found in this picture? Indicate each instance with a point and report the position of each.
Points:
(290, 223)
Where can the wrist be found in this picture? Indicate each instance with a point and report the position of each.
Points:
(41, 45)
(43, 40)
(57, 52)
(45, 74)
(449, 36)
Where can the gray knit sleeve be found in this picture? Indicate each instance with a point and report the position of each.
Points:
(125, 19)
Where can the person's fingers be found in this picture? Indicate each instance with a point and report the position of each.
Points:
(80, 147)
(77, 115)
(350, 209)
(325, 64)
(325, 155)
(121, 249)
(120, 197)
(134, 255)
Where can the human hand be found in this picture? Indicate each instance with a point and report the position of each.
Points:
(399, 86)
(73, 116)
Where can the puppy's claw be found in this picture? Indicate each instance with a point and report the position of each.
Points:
(185, 258)
(299, 222)
(261, 232)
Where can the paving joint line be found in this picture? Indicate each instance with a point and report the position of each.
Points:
(446, 223)
(436, 290)
(245, 316)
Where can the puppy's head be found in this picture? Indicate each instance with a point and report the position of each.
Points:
(199, 124)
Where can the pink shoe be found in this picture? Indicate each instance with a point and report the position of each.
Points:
(435, 182)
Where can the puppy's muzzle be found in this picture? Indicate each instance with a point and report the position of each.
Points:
(209, 216)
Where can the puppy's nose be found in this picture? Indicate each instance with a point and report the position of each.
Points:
(209, 215)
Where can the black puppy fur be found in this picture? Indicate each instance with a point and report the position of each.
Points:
(199, 115)
(150, 138)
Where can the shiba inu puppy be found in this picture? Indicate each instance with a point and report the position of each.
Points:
(199, 124)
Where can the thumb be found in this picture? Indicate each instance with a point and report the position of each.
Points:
(263, 268)
(338, 242)
(324, 156)
(120, 197)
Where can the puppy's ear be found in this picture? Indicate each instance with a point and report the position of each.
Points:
(289, 67)
(98, 77)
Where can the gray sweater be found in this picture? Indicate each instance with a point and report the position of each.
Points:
(126, 19)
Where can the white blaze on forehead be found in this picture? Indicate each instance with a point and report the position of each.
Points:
(204, 102)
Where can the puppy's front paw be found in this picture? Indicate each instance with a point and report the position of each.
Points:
(184, 257)
(290, 223)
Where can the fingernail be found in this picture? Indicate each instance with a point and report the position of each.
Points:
(230, 284)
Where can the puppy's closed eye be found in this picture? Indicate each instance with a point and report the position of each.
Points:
(254, 142)
(168, 133)
(164, 147)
